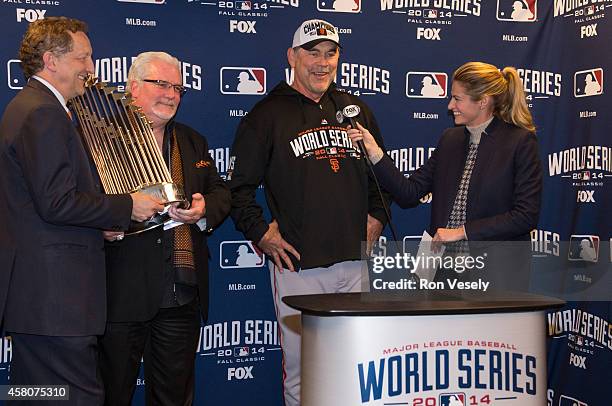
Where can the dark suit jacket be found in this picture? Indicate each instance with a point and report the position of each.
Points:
(53, 219)
(135, 265)
(504, 196)
(7, 258)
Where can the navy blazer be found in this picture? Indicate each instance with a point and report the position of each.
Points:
(505, 192)
(53, 275)
(135, 265)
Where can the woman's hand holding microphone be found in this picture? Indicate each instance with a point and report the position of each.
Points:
(362, 134)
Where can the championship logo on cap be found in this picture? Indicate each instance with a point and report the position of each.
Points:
(339, 6)
(426, 85)
(242, 80)
(589, 82)
(312, 32)
(517, 10)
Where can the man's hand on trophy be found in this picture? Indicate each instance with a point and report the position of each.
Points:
(144, 206)
(196, 211)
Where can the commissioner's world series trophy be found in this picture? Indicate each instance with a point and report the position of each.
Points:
(121, 143)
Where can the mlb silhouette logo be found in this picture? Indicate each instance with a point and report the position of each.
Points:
(242, 80)
(589, 82)
(523, 11)
(590, 10)
(244, 5)
(586, 175)
(339, 6)
(583, 248)
(453, 399)
(410, 243)
(568, 401)
(240, 254)
(427, 85)
(241, 351)
(16, 79)
(430, 13)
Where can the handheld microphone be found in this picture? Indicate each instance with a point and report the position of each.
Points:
(351, 111)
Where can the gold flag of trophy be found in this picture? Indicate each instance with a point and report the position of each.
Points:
(121, 143)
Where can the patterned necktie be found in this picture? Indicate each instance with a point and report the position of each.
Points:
(457, 216)
(183, 258)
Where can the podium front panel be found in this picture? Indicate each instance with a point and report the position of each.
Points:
(431, 360)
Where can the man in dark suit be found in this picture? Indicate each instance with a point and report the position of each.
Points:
(55, 293)
(158, 279)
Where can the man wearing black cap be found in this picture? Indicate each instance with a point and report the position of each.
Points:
(322, 200)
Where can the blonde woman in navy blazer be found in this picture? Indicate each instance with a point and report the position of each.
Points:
(503, 201)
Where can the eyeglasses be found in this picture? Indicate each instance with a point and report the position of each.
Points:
(162, 84)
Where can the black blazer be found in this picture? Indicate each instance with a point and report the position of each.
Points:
(53, 220)
(504, 196)
(135, 265)
(7, 258)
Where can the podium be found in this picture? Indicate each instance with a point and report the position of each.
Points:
(424, 349)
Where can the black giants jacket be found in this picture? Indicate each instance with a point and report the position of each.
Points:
(317, 184)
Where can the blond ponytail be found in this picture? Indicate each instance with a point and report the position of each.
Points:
(514, 108)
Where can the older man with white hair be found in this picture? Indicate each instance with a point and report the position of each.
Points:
(157, 280)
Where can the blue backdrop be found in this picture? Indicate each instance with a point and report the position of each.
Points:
(563, 52)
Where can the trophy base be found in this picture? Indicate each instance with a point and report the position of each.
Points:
(168, 193)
